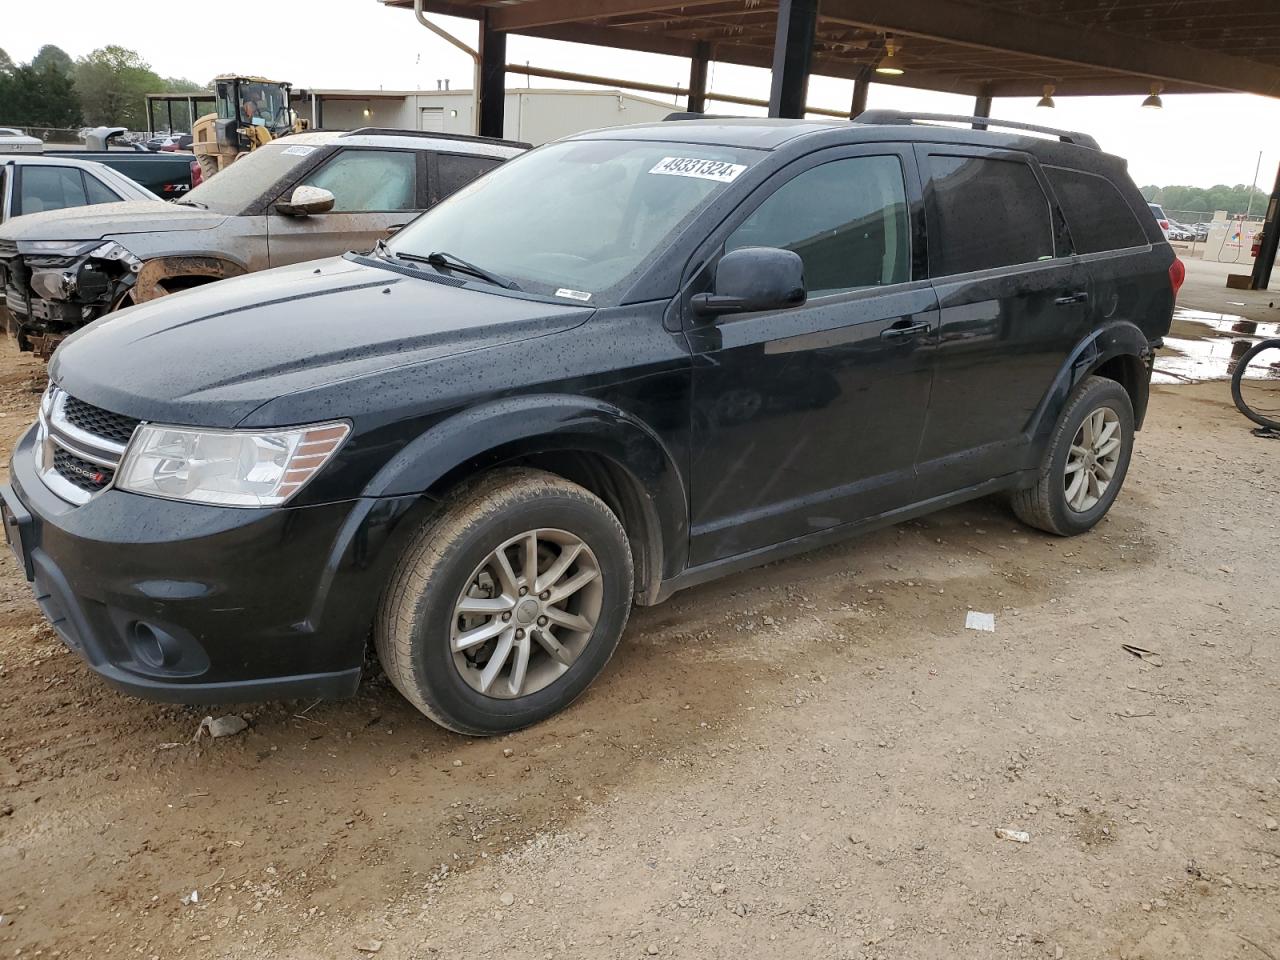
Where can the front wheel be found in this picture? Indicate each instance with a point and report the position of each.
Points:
(507, 604)
(1084, 463)
(1255, 385)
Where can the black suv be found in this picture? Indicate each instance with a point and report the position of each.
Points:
(620, 365)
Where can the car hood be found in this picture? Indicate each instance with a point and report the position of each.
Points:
(212, 355)
(109, 220)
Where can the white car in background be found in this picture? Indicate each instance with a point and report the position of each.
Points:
(31, 184)
(1158, 212)
(15, 141)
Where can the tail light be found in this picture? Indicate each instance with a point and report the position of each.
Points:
(1177, 273)
(197, 175)
(1164, 225)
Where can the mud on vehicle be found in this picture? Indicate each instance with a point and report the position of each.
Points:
(294, 199)
(621, 365)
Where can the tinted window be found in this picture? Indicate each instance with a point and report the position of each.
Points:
(364, 181)
(453, 171)
(98, 191)
(846, 219)
(51, 188)
(1097, 214)
(987, 213)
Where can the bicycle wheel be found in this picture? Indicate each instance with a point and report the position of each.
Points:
(1255, 385)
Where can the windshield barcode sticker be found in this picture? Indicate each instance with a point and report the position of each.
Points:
(573, 294)
(716, 170)
(297, 150)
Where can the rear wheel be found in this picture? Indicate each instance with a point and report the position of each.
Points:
(1084, 464)
(507, 604)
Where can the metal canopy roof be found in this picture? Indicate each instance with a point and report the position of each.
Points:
(981, 47)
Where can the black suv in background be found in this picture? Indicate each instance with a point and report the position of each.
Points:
(622, 364)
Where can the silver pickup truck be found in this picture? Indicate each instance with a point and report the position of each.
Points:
(299, 198)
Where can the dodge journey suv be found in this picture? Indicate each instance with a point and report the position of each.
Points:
(614, 367)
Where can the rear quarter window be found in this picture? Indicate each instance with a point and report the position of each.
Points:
(1097, 214)
(986, 213)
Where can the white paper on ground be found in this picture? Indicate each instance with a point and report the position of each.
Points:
(974, 620)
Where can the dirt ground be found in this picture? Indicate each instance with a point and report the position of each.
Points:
(809, 760)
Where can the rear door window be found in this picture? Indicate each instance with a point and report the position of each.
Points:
(987, 213)
(454, 171)
(1097, 214)
(847, 220)
(50, 188)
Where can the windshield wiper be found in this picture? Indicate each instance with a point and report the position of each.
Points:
(440, 259)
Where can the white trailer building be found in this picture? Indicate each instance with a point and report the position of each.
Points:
(532, 115)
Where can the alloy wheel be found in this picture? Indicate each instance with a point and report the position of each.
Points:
(526, 613)
(1092, 460)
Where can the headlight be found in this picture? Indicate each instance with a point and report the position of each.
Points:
(234, 468)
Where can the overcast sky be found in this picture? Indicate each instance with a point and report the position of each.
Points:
(1198, 139)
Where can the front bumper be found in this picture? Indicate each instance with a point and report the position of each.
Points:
(191, 603)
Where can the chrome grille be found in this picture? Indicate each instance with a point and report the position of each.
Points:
(99, 422)
(79, 446)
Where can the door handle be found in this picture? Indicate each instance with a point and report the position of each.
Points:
(905, 328)
(1070, 298)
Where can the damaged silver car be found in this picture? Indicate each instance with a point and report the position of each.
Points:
(299, 198)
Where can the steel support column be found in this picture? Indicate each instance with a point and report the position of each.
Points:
(861, 87)
(492, 93)
(982, 108)
(1270, 241)
(698, 80)
(792, 54)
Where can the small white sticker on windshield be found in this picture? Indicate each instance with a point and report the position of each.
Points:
(573, 294)
(716, 170)
(297, 150)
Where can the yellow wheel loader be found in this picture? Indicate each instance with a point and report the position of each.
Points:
(251, 111)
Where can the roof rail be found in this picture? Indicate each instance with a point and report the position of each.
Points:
(685, 115)
(435, 135)
(890, 117)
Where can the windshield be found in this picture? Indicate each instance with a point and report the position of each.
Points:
(232, 190)
(576, 219)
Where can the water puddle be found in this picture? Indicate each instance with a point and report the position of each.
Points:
(1206, 346)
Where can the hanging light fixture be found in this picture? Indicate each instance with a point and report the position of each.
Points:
(1047, 100)
(1153, 102)
(888, 67)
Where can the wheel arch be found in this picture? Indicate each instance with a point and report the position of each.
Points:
(1119, 351)
(589, 442)
(169, 274)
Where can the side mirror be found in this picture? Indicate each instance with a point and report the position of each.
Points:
(754, 278)
(305, 201)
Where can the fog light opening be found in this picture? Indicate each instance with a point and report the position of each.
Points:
(153, 647)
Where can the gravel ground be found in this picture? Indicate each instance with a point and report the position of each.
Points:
(808, 760)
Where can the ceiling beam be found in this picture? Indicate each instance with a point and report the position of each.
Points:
(1057, 42)
(544, 13)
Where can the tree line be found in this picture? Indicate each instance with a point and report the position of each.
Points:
(107, 87)
(1234, 200)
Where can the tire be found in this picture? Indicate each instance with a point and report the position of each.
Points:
(1046, 504)
(425, 643)
(1271, 423)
